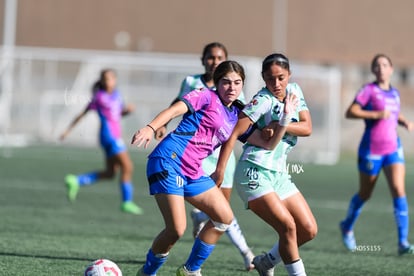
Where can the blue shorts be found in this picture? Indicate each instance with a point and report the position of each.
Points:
(372, 164)
(113, 147)
(165, 177)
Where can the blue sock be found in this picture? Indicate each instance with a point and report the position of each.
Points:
(87, 178)
(154, 262)
(402, 220)
(198, 255)
(355, 207)
(127, 191)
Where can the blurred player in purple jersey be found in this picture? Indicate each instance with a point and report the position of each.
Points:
(378, 103)
(108, 103)
(174, 168)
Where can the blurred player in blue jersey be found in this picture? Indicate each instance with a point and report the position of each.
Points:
(213, 54)
(378, 104)
(261, 176)
(108, 103)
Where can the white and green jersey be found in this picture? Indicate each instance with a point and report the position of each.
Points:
(262, 109)
(191, 83)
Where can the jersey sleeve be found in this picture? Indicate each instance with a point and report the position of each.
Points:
(185, 88)
(197, 99)
(363, 96)
(260, 104)
(94, 103)
(295, 89)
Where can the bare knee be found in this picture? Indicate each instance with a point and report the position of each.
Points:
(108, 174)
(308, 232)
(174, 233)
(365, 195)
(288, 228)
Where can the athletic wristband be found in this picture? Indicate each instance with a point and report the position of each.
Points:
(151, 127)
(243, 138)
(285, 120)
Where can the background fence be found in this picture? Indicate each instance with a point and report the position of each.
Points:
(43, 89)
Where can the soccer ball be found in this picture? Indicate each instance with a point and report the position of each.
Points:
(102, 267)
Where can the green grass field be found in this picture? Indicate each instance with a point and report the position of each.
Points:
(41, 233)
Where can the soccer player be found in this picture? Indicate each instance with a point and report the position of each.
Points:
(378, 104)
(213, 54)
(107, 102)
(261, 178)
(174, 169)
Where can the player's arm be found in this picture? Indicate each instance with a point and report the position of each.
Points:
(355, 111)
(241, 127)
(402, 121)
(144, 135)
(303, 127)
(271, 135)
(267, 138)
(160, 132)
(74, 123)
(128, 109)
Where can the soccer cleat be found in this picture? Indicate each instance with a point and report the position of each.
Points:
(198, 222)
(72, 185)
(409, 250)
(263, 265)
(182, 271)
(248, 259)
(348, 238)
(131, 208)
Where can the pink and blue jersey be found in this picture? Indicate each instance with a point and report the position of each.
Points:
(109, 107)
(206, 125)
(380, 136)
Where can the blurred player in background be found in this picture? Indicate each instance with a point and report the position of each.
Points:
(378, 103)
(261, 176)
(174, 169)
(107, 102)
(213, 54)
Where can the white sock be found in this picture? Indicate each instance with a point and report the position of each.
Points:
(236, 237)
(274, 254)
(296, 269)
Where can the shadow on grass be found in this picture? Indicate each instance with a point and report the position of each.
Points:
(22, 255)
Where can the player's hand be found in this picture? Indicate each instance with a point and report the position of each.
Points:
(160, 133)
(409, 126)
(291, 104)
(289, 109)
(63, 135)
(269, 130)
(384, 114)
(142, 137)
(128, 109)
